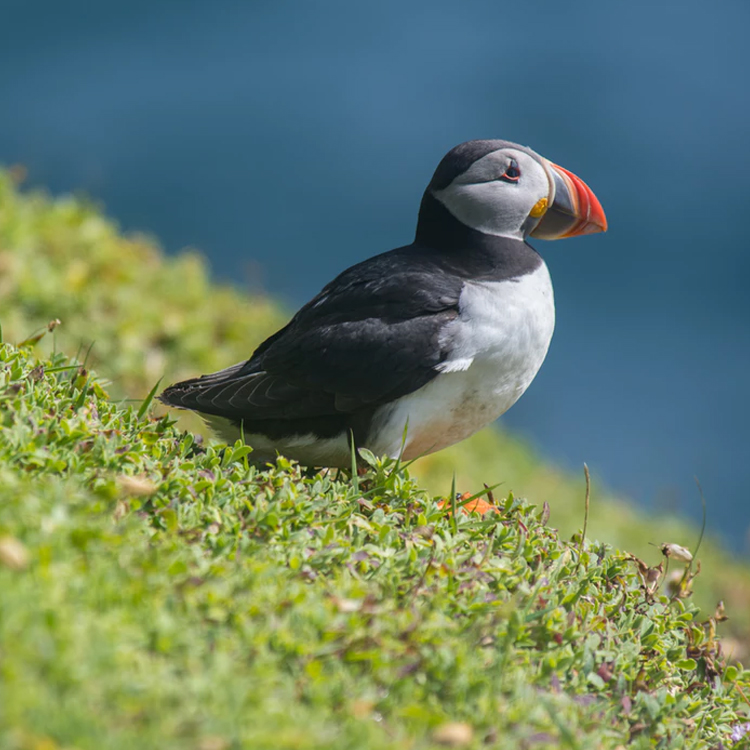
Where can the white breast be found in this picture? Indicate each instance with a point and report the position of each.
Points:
(497, 344)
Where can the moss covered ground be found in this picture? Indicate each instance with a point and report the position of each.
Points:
(157, 591)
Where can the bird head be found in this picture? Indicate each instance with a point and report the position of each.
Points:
(503, 189)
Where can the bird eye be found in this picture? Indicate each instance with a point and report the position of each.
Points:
(512, 173)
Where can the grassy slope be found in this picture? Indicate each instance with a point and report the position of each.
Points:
(155, 594)
(150, 316)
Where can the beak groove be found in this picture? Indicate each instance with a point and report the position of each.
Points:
(575, 210)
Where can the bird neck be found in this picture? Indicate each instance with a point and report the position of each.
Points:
(438, 229)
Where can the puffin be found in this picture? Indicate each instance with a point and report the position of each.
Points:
(420, 347)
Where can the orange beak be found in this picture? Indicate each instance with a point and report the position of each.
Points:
(575, 210)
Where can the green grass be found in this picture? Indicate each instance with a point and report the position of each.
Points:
(158, 594)
(156, 591)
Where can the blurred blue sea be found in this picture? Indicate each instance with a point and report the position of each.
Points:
(290, 140)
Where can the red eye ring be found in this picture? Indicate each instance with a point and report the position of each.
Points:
(512, 173)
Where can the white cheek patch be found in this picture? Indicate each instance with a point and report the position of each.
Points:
(485, 207)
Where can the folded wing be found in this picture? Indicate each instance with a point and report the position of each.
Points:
(371, 336)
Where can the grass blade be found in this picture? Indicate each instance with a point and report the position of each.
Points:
(585, 512)
(355, 476)
(454, 522)
(146, 401)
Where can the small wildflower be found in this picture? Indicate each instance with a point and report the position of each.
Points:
(213, 743)
(453, 734)
(675, 552)
(136, 486)
(12, 553)
(739, 731)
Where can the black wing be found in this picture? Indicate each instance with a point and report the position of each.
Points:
(371, 336)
